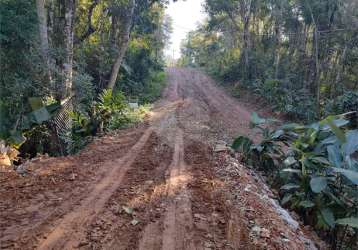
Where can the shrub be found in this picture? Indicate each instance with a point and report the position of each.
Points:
(153, 87)
(344, 103)
(317, 172)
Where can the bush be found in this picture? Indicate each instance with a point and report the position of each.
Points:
(153, 87)
(109, 112)
(295, 103)
(129, 117)
(344, 103)
(317, 173)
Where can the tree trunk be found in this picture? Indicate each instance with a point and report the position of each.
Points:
(317, 65)
(278, 14)
(123, 44)
(41, 15)
(340, 70)
(245, 13)
(246, 44)
(68, 31)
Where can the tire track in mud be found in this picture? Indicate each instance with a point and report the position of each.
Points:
(169, 179)
(144, 190)
(72, 226)
(178, 225)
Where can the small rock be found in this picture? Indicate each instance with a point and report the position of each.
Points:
(265, 233)
(221, 148)
(210, 236)
(134, 222)
(199, 216)
(149, 182)
(128, 210)
(256, 229)
(73, 177)
(82, 243)
(208, 245)
(247, 188)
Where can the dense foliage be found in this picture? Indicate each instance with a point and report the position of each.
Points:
(316, 169)
(301, 56)
(54, 50)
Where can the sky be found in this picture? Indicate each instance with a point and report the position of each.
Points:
(186, 15)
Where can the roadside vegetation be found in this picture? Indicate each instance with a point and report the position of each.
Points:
(300, 57)
(315, 169)
(71, 70)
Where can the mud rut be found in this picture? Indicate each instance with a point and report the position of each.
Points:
(164, 170)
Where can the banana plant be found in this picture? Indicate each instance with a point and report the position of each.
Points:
(39, 114)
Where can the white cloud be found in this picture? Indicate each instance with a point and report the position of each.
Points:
(186, 15)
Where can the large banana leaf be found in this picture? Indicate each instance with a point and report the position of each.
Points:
(351, 144)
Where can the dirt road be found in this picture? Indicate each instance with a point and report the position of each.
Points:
(157, 186)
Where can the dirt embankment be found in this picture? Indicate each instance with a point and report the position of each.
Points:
(157, 186)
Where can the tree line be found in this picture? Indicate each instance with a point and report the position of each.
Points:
(53, 51)
(300, 55)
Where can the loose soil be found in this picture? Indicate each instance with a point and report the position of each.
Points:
(161, 185)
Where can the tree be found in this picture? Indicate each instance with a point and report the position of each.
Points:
(42, 23)
(296, 53)
(126, 19)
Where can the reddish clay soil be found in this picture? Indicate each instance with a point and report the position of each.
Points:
(161, 185)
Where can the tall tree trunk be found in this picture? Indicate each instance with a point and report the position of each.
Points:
(245, 13)
(68, 31)
(317, 65)
(246, 44)
(123, 44)
(340, 67)
(41, 15)
(317, 78)
(278, 14)
(277, 50)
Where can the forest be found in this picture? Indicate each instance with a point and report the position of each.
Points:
(301, 56)
(68, 67)
(248, 140)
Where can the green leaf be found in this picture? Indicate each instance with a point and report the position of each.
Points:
(306, 204)
(255, 119)
(289, 161)
(41, 115)
(286, 199)
(334, 126)
(329, 140)
(318, 184)
(351, 144)
(351, 221)
(334, 155)
(16, 139)
(291, 126)
(290, 186)
(320, 159)
(328, 216)
(242, 144)
(52, 108)
(291, 170)
(337, 122)
(277, 134)
(333, 197)
(36, 103)
(350, 174)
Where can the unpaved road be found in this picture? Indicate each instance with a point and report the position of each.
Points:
(157, 186)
